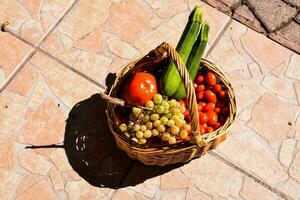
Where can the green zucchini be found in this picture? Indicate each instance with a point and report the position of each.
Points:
(171, 78)
(194, 59)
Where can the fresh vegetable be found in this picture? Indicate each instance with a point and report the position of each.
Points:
(211, 98)
(171, 78)
(140, 88)
(194, 60)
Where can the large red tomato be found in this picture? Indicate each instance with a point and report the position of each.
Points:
(141, 88)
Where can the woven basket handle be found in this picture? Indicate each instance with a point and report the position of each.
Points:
(190, 92)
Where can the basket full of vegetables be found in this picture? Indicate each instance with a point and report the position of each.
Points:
(171, 106)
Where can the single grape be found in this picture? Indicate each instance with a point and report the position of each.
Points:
(132, 117)
(171, 122)
(176, 111)
(136, 111)
(163, 120)
(146, 118)
(142, 141)
(141, 116)
(160, 109)
(175, 130)
(187, 127)
(149, 125)
(157, 98)
(147, 134)
(155, 132)
(139, 134)
(166, 111)
(150, 104)
(156, 123)
(182, 108)
(130, 125)
(135, 140)
(172, 140)
(161, 128)
(181, 116)
(143, 128)
(154, 117)
(165, 136)
(136, 127)
(184, 134)
(179, 123)
(166, 105)
(123, 127)
(127, 134)
(172, 103)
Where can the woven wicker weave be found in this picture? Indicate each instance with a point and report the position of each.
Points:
(182, 152)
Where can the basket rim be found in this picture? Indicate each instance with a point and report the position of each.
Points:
(175, 148)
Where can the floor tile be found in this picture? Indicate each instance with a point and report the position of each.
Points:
(96, 44)
(204, 178)
(32, 20)
(13, 52)
(263, 75)
(34, 107)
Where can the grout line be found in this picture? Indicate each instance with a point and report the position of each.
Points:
(234, 166)
(26, 59)
(221, 33)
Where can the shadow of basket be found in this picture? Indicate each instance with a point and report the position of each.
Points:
(92, 151)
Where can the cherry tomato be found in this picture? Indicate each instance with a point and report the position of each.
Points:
(199, 96)
(217, 110)
(212, 117)
(186, 112)
(209, 106)
(217, 88)
(210, 96)
(217, 125)
(222, 94)
(202, 130)
(200, 88)
(140, 88)
(209, 129)
(225, 110)
(205, 125)
(188, 118)
(203, 118)
(211, 78)
(199, 79)
(201, 105)
(195, 85)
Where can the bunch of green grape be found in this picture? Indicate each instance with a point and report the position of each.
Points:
(163, 119)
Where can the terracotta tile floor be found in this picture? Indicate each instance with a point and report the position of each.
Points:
(81, 41)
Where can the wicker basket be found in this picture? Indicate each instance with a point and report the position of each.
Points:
(182, 152)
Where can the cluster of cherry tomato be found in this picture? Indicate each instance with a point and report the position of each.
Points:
(211, 99)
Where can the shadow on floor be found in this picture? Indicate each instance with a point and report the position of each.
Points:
(93, 154)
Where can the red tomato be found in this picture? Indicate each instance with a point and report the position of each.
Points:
(200, 88)
(217, 88)
(204, 125)
(199, 96)
(211, 78)
(209, 106)
(222, 94)
(217, 125)
(202, 130)
(201, 105)
(209, 129)
(140, 88)
(203, 118)
(217, 110)
(199, 79)
(212, 117)
(210, 96)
